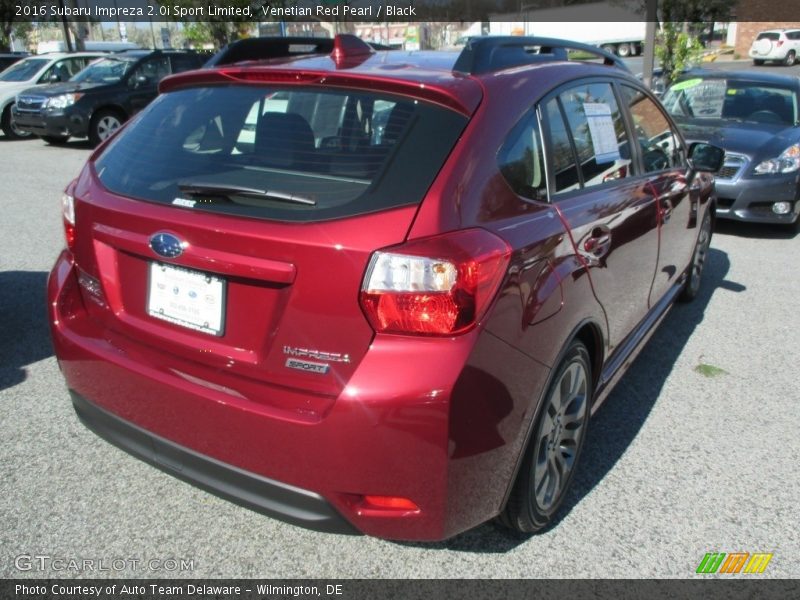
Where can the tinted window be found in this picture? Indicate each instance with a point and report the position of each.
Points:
(565, 168)
(521, 162)
(185, 62)
(312, 155)
(659, 144)
(598, 132)
(154, 69)
(769, 36)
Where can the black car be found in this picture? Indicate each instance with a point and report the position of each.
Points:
(9, 58)
(754, 117)
(96, 101)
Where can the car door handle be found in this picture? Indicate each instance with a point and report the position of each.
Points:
(666, 207)
(598, 243)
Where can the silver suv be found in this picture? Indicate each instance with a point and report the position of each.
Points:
(780, 45)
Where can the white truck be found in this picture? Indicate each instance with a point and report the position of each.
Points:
(621, 32)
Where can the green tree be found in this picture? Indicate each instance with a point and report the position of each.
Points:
(222, 30)
(676, 50)
(678, 45)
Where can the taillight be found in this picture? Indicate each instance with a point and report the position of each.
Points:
(68, 212)
(441, 285)
(779, 44)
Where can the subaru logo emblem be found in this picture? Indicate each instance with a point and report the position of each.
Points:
(166, 245)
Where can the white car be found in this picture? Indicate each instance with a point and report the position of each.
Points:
(35, 70)
(782, 45)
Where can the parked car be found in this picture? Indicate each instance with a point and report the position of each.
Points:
(36, 71)
(779, 45)
(399, 332)
(99, 99)
(9, 58)
(754, 117)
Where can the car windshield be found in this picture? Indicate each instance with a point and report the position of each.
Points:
(731, 99)
(106, 70)
(769, 35)
(24, 69)
(299, 154)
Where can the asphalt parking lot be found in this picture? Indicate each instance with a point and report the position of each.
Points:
(694, 452)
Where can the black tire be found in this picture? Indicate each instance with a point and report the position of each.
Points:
(7, 125)
(610, 48)
(790, 58)
(555, 446)
(55, 140)
(757, 62)
(694, 274)
(624, 50)
(103, 124)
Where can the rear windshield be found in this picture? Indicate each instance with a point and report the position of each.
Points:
(769, 35)
(287, 154)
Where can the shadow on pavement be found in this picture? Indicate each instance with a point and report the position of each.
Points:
(619, 420)
(24, 333)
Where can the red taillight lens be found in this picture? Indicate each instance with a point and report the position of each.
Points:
(779, 44)
(68, 212)
(435, 286)
(389, 503)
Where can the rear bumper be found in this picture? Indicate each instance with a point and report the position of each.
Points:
(273, 498)
(751, 199)
(428, 420)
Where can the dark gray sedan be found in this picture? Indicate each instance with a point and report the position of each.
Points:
(754, 117)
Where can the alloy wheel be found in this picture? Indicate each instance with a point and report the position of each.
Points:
(560, 435)
(107, 125)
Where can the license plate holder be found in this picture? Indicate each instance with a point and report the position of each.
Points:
(187, 298)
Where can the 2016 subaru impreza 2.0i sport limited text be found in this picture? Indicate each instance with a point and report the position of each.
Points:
(377, 292)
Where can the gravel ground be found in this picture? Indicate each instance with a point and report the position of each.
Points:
(678, 463)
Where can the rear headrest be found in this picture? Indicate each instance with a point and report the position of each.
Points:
(284, 139)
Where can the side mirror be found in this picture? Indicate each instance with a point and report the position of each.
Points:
(706, 157)
(142, 80)
(54, 78)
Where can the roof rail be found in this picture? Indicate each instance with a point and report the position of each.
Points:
(485, 54)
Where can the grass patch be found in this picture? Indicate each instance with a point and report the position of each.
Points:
(707, 370)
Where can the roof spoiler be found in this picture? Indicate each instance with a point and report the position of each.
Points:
(487, 54)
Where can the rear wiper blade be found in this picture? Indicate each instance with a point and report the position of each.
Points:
(198, 188)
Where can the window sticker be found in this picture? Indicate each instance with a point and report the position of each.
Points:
(601, 129)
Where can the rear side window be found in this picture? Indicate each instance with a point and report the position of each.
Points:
(521, 161)
(288, 154)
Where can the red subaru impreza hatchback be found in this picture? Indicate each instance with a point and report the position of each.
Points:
(377, 292)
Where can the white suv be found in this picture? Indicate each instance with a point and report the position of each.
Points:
(34, 70)
(782, 45)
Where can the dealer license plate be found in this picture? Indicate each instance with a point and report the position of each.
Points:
(187, 298)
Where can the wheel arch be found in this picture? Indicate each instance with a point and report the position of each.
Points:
(589, 332)
(110, 107)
